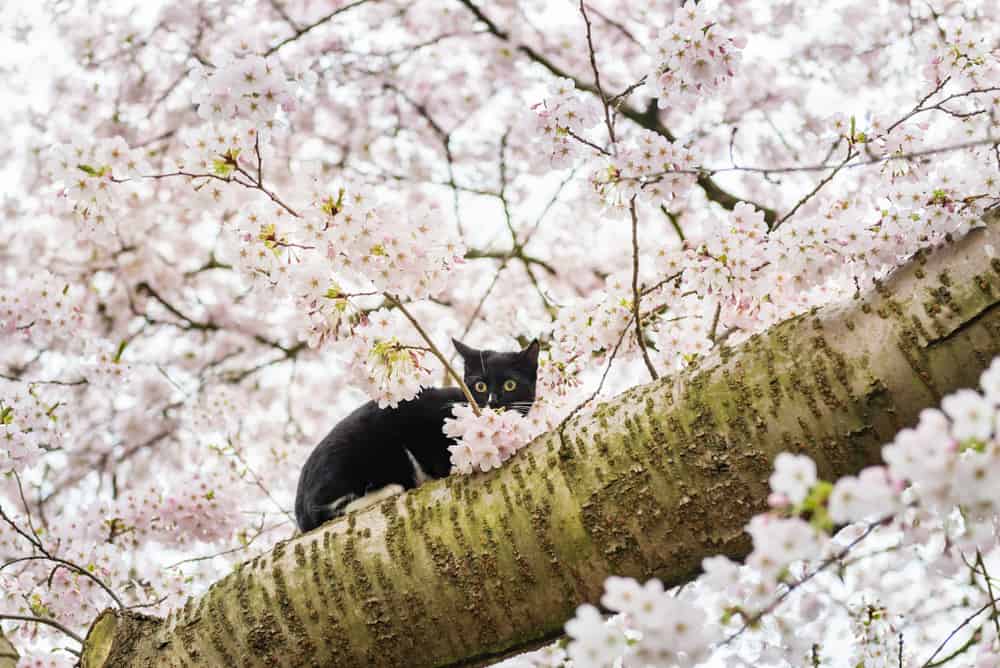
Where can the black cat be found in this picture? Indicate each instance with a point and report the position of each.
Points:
(374, 453)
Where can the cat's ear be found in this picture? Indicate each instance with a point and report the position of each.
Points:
(465, 351)
(530, 354)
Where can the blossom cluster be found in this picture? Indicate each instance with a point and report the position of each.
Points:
(18, 446)
(71, 597)
(43, 308)
(198, 507)
(88, 545)
(487, 440)
(216, 152)
(87, 176)
(563, 113)
(103, 366)
(723, 264)
(594, 324)
(386, 368)
(343, 241)
(694, 56)
(405, 252)
(967, 57)
(949, 459)
(945, 467)
(336, 261)
(675, 320)
(655, 628)
(647, 166)
(249, 88)
(684, 333)
(28, 425)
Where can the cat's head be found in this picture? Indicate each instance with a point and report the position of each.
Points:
(501, 379)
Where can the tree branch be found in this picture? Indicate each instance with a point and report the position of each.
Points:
(43, 620)
(640, 339)
(8, 653)
(299, 32)
(648, 121)
(646, 485)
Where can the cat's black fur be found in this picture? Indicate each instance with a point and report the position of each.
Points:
(375, 447)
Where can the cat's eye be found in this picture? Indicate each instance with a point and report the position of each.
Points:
(480, 386)
(509, 385)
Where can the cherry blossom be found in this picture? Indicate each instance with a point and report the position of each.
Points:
(230, 224)
(487, 440)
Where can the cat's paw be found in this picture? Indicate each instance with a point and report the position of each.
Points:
(373, 498)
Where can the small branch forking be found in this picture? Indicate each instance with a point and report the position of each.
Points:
(608, 120)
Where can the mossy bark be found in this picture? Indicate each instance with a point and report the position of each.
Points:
(470, 568)
(8, 653)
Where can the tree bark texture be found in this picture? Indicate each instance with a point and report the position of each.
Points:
(470, 568)
(8, 653)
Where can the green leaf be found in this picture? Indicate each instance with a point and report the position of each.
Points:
(333, 207)
(222, 167)
(972, 444)
(38, 608)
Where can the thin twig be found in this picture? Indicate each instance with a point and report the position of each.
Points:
(819, 167)
(930, 661)
(715, 322)
(318, 22)
(260, 532)
(396, 302)
(989, 589)
(753, 619)
(649, 121)
(819, 186)
(600, 385)
(27, 510)
(43, 620)
(597, 77)
(259, 484)
(519, 252)
(36, 542)
(636, 295)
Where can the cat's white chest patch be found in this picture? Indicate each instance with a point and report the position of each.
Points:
(419, 474)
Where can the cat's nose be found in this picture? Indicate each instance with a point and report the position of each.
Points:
(492, 401)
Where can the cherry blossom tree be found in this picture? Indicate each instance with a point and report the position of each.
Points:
(753, 224)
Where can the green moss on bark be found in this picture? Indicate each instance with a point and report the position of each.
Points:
(646, 485)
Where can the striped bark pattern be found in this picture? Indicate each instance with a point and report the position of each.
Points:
(466, 569)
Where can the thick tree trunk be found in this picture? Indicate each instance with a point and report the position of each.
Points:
(469, 568)
(8, 654)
